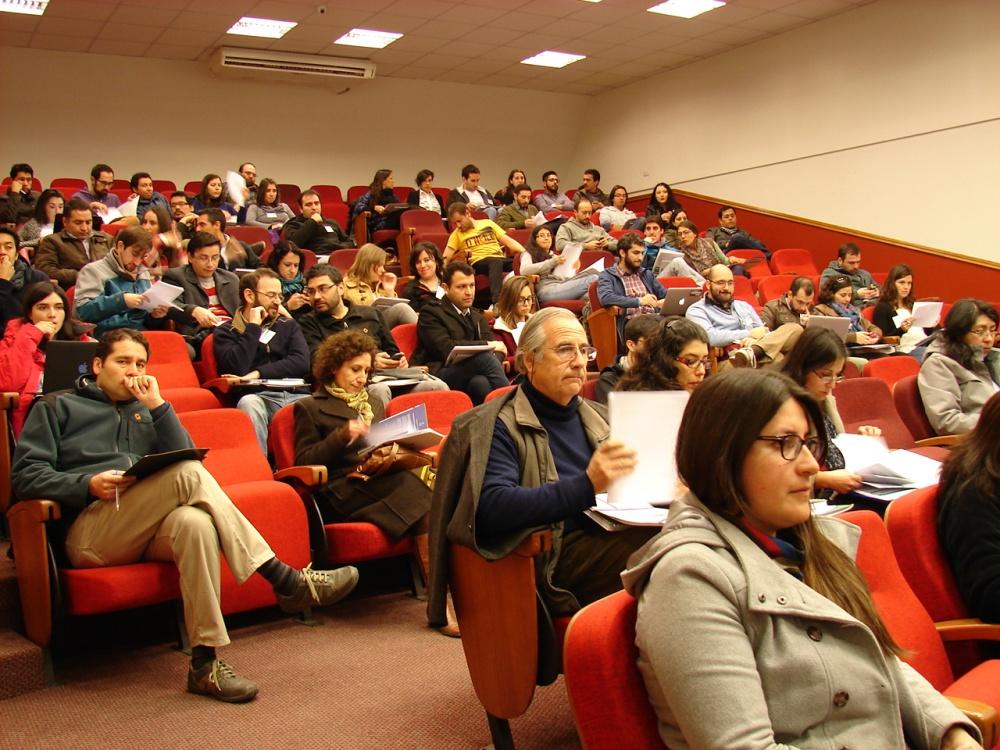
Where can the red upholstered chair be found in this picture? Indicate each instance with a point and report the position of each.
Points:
(867, 401)
(164, 187)
(410, 224)
(289, 193)
(308, 259)
(170, 364)
(891, 369)
(122, 193)
(192, 187)
(343, 259)
(406, 338)
(340, 213)
(327, 194)
(589, 390)
(522, 236)
(603, 325)
(207, 368)
(113, 228)
(795, 261)
(773, 287)
(68, 183)
(497, 392)
(910, 407)
(880, 277)
(868, 313)
(442, 193)
(356, 191)
(851, 370)
(911, 627)
(250, 235)
(743, 290)
(755, 263)
(677, 282)
(606, 691)
(442, 406)
(120, 184)
(36, 184)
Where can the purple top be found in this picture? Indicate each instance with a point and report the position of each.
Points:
(110, 199)
(546, 201)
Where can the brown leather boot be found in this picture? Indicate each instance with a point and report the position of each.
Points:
(421, 543)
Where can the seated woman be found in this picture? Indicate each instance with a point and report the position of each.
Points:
(268, 212)
(213, 195)
(968, 517)
(514, 306)
(543, 260)
(381, 203)
(662, 203)
(423, 197)
(515, 179)
(835, 301)
(675, 359)
(48, 207)
(897, 300)
(702, 253)
(816, 363)
(753, 620)
(367, 279)
(287, 261)
(670, 233)
(616, 215)
(167, 250)
(22, 350)
(426, 267)
(962, 369)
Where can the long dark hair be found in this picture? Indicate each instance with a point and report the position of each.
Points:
(262, 187)
(432, 250)
(283, 248)
(376, 186)
(974, 463)
(538, 254)
(816, 347)
(44, 197)
(35, 293)
(656, 369)
(889, 293)
(205, 199)
(672, 203)
(961, 318)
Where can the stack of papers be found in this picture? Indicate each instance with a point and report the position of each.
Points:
(160, 294)
(925, 314)
(886, 474)
(615, 518)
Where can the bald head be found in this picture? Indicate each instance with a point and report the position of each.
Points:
(719, 272)
(720, 284)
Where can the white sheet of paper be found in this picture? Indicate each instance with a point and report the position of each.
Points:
(130, 207)
(111, 214)
(160, 294)
(570, 255)
(460, 353)
(927, 314)
(235, 185)
(647, 421)
(597, 265)
(860, 450)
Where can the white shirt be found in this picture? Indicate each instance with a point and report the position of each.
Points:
(429, 201)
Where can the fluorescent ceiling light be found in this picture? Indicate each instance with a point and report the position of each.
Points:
(27, 7)
(685, 8)
(265, 27)
(368, 38)
(550, 59)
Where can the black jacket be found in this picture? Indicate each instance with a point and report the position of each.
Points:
(414, 200)
(12, 292)
(440, 328)
(227, 287)
(316, 327)
(284, 356)
(320, 238)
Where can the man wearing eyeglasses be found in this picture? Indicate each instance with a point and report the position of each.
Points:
(211, 294)
(262, 343)
(734, 325)
(534, 458)
(99, 197)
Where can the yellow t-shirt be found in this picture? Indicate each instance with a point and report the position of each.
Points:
(482, 241)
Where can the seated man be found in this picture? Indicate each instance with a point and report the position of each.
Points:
(310, 230)
(331, 313)
(235, 253)
(534, 458)
(478, 242)
(728, 236)
(142, 185)
(453, 321)
(71, 451)
(183, 214)
(99, 198)
(262, 341)
(791, 306)
(109, 291)
(591, 189)
(15, 277)
(848, 263)
(638, 331)
(582, 230)
(521, 213)
(655, 241)
(735, 326)
(61, 256)
(211, 294)
(471, 194)
(628, 285)
(20, 198)
(551, 199)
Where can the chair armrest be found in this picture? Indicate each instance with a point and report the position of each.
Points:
(29, 537)
(967, 629)
(222, 385)
(945, 440)
(8, 400)
(890, 340)
(361, 228)
(983, 715)
(310, 475)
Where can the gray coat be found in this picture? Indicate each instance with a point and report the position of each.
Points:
(737, 653)
(954, 395)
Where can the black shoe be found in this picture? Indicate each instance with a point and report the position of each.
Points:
(218, 680)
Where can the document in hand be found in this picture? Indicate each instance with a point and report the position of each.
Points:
(887, 474)
(663, 258)
(567, 259)
(235, 185)
(159, 295)
(925, 314)
(408, 428)
(460, 353)
(129, 207)
(647, 421)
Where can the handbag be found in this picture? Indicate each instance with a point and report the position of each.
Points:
(387, 459)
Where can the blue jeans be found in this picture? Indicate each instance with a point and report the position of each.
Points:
(475, 376)
(574, 288)
(262, 406)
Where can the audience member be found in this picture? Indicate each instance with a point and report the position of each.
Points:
(848, 263)
(268, 211)
(735, 326)
(654, 242)
(380, 202)
(639, 331)
(471, 194)
(540, 259)
(729, 236)
(835, 301)
(962, 369)
(743, 528)
(675, 358)
(211, 294)
(48, 208)
(615, 215)
(897, 300)
(452, 321)
(235, 253)
(534, 458)
(261, 343)
(550, 199)
(310, 230)
(44, 316)
(15, 276)
(20, 197)
(670, 231)
(628, 285)
(61, 255)
(662, 203)
(367, 280)
(591, 189)
(580, 229)
(248, 171)
(183, 215)
(478, 242)
(521, 212)
(426, 267)
(287, 261)
(702, 253)
(99, 198)
(71, 450)
(791, 306)
(424, 197)
(515, 180)
(515, 306)
(109, 291)
(142, 187)
(213, 195)
(167, 249)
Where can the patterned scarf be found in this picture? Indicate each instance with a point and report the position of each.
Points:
(357, 401)
(788, 557)
(849, 311)
(293, 285)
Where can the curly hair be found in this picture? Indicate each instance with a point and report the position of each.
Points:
(657, 369)
(336, 350)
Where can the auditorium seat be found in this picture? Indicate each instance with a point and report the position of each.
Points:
(170, 363)
(343, 259)
(164, 187)
(891, 369)
(910, 407)
(193, 187)
(405, 335)
(289, 193)
(250, 235)
(773, 287)
(795, 261)
(410, 225)
(354, 192)
(36, 184)
(328, 194)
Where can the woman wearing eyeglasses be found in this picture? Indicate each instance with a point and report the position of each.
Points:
(675, 359)
(755, 628)
(816, 363)
(962, 369)
(515, 305)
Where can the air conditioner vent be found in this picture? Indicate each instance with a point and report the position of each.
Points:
(230, 59)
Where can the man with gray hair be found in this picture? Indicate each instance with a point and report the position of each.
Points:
(534, 458)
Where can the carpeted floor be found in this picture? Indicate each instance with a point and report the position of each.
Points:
(371, 676)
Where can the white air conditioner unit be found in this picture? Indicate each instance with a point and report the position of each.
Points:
(236, 60)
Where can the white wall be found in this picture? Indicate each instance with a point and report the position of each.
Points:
(177, 120)
(900, 88)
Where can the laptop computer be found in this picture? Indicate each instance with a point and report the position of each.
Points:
(65, 361)
(840, 326)
(679, 299)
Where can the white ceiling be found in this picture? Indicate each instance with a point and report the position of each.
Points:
(472, 41)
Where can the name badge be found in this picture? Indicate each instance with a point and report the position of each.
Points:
(266, 336)
(271, 215)
(327, 227)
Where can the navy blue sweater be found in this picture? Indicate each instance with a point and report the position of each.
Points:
(505, 506)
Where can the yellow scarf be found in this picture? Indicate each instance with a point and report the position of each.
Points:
(357, 401)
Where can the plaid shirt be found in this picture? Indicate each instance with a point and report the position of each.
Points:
(635, 288)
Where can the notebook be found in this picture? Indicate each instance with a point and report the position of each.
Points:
(65, 361)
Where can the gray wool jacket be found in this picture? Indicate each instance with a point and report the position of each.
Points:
(953, 395)
(737, 653)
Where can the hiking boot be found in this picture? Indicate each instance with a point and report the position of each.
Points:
(319, 588)
(744, 357)
(218, 680)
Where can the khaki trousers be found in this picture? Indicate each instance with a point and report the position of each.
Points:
(775, 344)
(181, 515)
